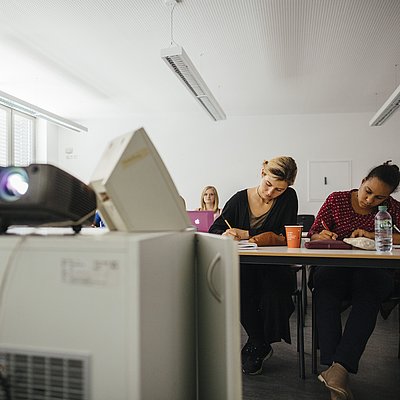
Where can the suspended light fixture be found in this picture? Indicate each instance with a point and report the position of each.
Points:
(183, 68)
(387, 110)
(27, 108)
(389, 107)
(179, 62)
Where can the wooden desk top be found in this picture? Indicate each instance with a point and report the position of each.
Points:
(281, 255)
(318, 253)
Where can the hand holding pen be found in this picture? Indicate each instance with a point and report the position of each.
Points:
(233, 232)
(326, 233)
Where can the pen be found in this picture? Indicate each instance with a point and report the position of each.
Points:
(229, 226)
(227, 223)
(397, 229)
(324, 225)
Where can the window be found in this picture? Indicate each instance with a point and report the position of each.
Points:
(4, 142)
(17, 138)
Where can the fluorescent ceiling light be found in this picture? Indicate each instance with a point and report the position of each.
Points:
(27, 108)
(390, 106)
(179, 62)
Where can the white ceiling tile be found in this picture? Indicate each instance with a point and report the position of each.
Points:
(79, 59)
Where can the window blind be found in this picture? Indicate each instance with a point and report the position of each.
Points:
(4, 142)
(23, 139)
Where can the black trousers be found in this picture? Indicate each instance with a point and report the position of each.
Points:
(266, 302)
(365, 288)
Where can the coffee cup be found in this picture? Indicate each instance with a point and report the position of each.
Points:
(293, 235)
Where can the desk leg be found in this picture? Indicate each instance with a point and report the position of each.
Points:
(304, 291)
(300, 335)
(314, 338)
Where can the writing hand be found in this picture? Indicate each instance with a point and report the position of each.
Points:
(232, 233)
(325, 235)
(237, 234)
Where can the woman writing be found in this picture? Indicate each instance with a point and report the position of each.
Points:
(265, 292)
(209, 201)
(351, 214)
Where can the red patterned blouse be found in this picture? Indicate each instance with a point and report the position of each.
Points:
(339, 216)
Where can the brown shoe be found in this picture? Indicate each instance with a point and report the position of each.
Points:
(336, 379)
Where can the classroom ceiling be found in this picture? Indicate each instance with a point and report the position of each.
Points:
(88, 58)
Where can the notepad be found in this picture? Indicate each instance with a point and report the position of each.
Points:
(245, 244)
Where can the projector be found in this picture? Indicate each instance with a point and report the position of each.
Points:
(43, 195)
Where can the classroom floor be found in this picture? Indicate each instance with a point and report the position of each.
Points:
(378, 377)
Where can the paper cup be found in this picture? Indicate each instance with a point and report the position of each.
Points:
(293, 235)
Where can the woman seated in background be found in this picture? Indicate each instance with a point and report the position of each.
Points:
(265, 291)
(351, 214)
(209, 201)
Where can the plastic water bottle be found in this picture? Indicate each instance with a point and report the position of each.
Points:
(383, 230)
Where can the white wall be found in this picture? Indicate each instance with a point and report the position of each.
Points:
(47, 136)
(228, 154)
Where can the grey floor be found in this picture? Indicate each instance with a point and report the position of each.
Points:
(378, 377)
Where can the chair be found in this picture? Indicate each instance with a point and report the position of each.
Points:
(391, 302)
(306, 220)
(386, 308)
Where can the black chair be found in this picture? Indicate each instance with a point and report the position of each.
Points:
(306, 220)
(388, 306)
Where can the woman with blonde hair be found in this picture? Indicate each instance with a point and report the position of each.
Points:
(265, 291)
(209, 201)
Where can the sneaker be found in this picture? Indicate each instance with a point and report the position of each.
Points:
(256, 356)
(247, 349)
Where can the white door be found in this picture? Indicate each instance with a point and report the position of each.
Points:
(325, 177)
(218, 320)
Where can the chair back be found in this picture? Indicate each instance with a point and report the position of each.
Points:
(306, 220)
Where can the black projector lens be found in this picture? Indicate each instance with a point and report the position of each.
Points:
(14, 183)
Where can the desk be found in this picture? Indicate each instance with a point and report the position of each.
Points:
(277, 255)
(281, 255)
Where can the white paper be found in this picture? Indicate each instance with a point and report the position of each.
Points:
(245, 244)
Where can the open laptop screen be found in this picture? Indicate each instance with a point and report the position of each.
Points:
(201, 220)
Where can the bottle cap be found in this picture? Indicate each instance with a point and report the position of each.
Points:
(382, 208)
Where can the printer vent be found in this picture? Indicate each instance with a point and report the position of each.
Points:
(32, 375)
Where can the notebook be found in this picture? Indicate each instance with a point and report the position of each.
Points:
(201, 220)
(327, 244)
(245, 244)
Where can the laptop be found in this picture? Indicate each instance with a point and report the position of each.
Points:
(201, 220)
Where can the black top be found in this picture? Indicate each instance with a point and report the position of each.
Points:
(236, 212)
